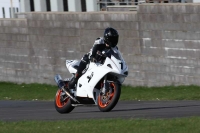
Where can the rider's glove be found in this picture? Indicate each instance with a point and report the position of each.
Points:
(99, 53)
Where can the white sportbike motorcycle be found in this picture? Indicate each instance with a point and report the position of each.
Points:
(100, 83)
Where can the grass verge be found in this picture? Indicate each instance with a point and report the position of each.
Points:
(161, 93)
(12, 91)
(176, 125)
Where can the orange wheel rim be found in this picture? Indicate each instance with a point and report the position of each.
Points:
(60, 103)
(108, 95)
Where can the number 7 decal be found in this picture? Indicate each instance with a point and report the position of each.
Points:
(121, 65)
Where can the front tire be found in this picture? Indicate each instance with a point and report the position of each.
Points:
(107, 102)
(62, 103)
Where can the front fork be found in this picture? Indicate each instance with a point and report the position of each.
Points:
(105, 88)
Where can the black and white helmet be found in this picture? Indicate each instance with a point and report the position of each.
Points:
(111, 37)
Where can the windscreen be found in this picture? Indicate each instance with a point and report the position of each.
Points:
(116, 53)
(110, 52)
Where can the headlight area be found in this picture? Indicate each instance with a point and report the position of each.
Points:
(116, 77)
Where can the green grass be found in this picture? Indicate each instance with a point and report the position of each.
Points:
(176, 125)
(191, 92)
(12, 91)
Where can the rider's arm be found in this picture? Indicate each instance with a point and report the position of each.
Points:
(98, 46)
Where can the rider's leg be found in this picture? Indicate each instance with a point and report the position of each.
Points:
(82, 66)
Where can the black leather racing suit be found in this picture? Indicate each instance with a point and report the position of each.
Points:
(99, 45)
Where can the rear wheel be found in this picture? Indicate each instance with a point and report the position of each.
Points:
(63, 102)
(108, 101)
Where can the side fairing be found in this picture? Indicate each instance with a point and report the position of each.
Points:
(88, 81)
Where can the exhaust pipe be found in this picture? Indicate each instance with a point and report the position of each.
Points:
(61, 85)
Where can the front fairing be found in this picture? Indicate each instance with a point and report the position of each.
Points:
(117, 58)
(113, 66)
(119, 64)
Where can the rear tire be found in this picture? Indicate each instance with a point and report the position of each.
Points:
(62, 106)
(108, 102)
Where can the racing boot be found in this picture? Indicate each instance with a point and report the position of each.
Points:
(73, 81)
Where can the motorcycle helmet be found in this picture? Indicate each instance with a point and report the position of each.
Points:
(111, 37)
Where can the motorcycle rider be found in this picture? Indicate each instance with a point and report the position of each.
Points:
(109, 40)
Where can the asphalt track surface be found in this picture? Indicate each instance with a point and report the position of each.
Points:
(44, 110)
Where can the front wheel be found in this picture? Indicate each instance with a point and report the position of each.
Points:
(108, 101)
(63, 102)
